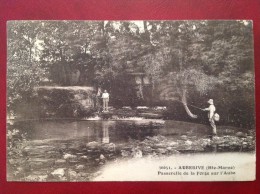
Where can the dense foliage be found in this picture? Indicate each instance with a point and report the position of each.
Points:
(185, 61)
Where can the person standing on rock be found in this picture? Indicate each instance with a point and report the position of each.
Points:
(105, 97)
(211, 111)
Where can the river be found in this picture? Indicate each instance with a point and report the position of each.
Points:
(73, 150)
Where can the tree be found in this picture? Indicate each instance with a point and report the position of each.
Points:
(65, 43)
(196, 56)
(174, 63)
(23, 67)
(184, 60)
(231, 58)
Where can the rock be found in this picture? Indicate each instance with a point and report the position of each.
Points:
(125, 153)
(83, 174)
(184, 137)
(84, 157)
(147, 149)
(58, 172)
(232, 143)
(226, 137)
(188, 142)
(158, 138)
(60, 161)
(173, 143)
(137, 154)
(206, 140)
(160, 108)
(175, 152)
(215, 138)
(80, 167)
(72, 174)
(80, 98)
(222, 145)
(161, 145)
(42, 160)
(68, 156)
(92, 144)
(20, 168)
(11, 161)
(110, 147)
(169, 148)
(161, 150)
(43, 177)
(102, 157)
(126, 108)
(73, 161)
(32, 178)
(142, 108)
(240, 134)
(35, 165)
(198, 148)
(111, 156)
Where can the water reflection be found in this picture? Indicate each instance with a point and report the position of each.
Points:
(75, 131)
(117, 132)
(105, 130)
(99, 131)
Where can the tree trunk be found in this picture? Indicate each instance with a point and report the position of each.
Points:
(102, 27)
(147, 35)
(30, 54)
(140, 91)
(184, 102)
(153, 87)
(85, 48)
(145, 26)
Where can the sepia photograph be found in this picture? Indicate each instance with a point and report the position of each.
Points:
(162, 100)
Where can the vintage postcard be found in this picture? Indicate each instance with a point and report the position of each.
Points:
(130, 101)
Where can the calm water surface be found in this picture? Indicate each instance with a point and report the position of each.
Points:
(114, 131)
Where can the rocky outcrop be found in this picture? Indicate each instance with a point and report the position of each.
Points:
(73, 101)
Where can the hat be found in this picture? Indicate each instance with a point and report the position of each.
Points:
(210, 101)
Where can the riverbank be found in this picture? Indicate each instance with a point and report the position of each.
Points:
(124, 113)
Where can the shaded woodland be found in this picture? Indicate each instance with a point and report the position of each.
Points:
(140, 63)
